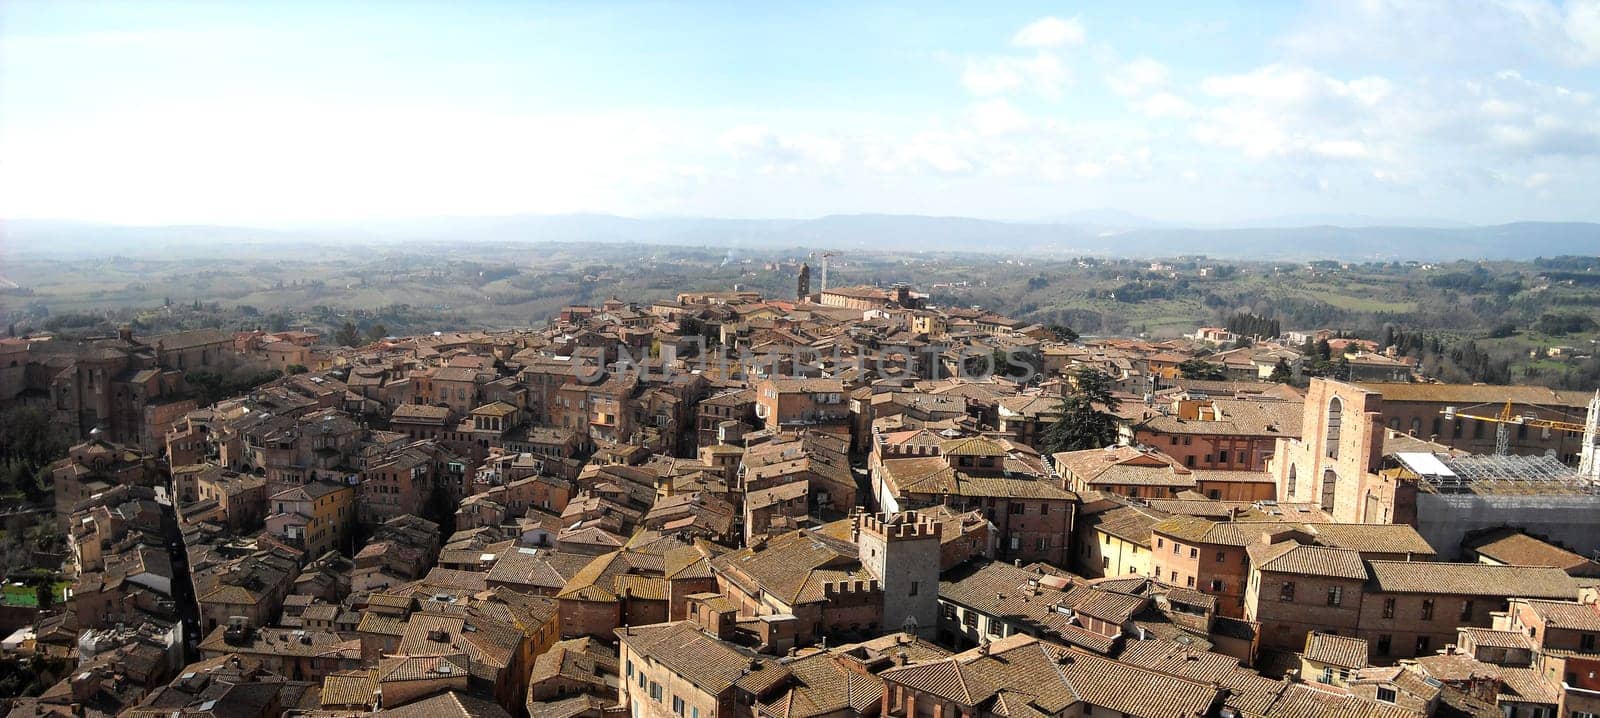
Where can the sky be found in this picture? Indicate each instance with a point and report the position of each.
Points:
(283, 112)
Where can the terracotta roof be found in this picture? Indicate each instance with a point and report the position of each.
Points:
(1293, 557)
(1336, 650)
(693, 655)
(1567, 614)
(1514, 548)
(1470, 579)
(447, 705)
(1464, 394)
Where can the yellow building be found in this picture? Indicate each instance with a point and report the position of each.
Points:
(314, 517)
(1116, 542)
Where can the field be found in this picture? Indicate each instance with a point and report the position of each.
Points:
(1509, 309)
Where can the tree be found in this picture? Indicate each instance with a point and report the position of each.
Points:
(294, 369)
(1281, 373)
(348, 335)
(1198, 369)
(1083, 423)
(1324, 350)
(45, 594)
(1063, 333)
(376, 332)
(1341, 369)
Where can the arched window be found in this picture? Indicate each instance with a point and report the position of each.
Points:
(1329, 481)
(1416, 425)
(1335, 417)
(1292, 472)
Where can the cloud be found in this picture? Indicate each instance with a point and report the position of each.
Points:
(1165, 104)
(773, 152)
(1043, 74)
(1445, 33)
(1137, 77)
(1582, 25)
(1049, 32)
(997, 117)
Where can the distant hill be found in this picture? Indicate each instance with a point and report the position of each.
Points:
(880, 232)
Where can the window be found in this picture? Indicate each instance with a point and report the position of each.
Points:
(1427, 609)
(1335, 418)
(694, 713)
(1189, 461)
(1466, 610)
(948, 610)
(1222, 456)
(1016, 508)
(1586, 642)
(1388, 608)
(641, 679)
(630, 667)
(677, 705)
(1216, 584)
(1385, 694)
(970, 620)
(1175, 548)
(1286, 592)
(1423, 644)
(1327, 674)
(1042, 543)
(1160, 542)
(1191, 582)
(1221, 556)
(1383, 644)
(655, 691)
(1214, 494)
(1105, 562)
(1335, 595)
(1194, 552)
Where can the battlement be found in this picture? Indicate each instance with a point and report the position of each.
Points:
(836, 590)
(904, 526)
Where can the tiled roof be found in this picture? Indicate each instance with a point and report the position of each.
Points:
(712, 665)
(349, 688)
(1515, 548)
(1464, 394)
(1567, 614)
(1293, 557)
(822, 686)
(447, 705)
(1336, 650)
(1470, 579)
(1308, 700)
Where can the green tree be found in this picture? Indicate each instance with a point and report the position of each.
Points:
(45, 594)
(1324, 350)
(294, 369)
(1086, 420)
(1341, 369)
(1281, 373)
(348, 335)
(377, 332)
(25, 433)
(1063, 333)
(1198, 369)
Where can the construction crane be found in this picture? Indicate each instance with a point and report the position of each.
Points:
(1508, 417)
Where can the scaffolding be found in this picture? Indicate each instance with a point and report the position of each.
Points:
(1496, 474)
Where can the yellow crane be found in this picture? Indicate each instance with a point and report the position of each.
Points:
(1505, 419)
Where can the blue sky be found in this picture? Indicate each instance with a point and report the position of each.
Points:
(284, 112)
